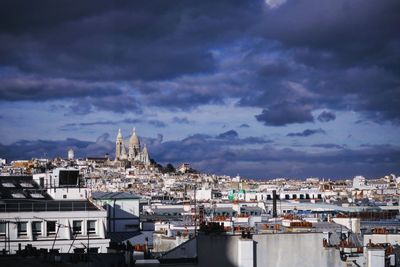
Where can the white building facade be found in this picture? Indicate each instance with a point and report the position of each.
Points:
(49, 229)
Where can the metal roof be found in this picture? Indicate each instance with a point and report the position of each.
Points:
(113, 195)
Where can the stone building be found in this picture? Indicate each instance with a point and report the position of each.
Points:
(134, 153)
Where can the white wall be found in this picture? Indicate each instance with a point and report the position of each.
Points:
(64, 237)
(352, 224)
(376, 257)
(204, 194)
(122, 213)
(283, 250)
(245, 253)
(68, 193)
(295, 249)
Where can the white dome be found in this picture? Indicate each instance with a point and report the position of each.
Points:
(134, 140)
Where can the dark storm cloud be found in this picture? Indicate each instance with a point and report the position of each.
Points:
(306, 133)
(80, 107)
(344, 53)
(43, 89)
(74, 126)
(285, 113)
(84, 95)
(348, 53)
(268, 161)
(157, 123)
(352, 40)
(349, 30)
(42, 148)
(85, 124)
(118, 104)
(244, 125)
(228, 134)
(116, 40)
(181, 120)
(326, 116)
(329, 146)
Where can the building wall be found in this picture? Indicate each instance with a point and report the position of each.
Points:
(270, 250)
(217, 250)
(300, 249)
(203, 194)
(64, 237)
(352, 224)
(68, 193)
(185, 250)
(123, 214)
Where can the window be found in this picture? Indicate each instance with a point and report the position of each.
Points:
(36, 228)
(2, 229)
(77, 227)
(22, 229)
(91, 227)
(51, 228)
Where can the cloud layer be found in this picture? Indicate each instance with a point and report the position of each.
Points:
(176, 54)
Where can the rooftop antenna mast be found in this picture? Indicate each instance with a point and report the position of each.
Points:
(195, 211)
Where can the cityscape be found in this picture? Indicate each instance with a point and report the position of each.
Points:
(138, 212)
(200, 133)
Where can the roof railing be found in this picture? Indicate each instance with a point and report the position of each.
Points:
(47, 206)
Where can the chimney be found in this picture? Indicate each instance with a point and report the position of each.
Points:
(274, 213)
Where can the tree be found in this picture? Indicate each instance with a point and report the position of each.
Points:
(169, 168)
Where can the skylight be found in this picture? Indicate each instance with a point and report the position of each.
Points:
(26, 185)
(18, 195)
(36, 195)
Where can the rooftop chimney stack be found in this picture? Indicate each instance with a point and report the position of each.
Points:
(274, 213)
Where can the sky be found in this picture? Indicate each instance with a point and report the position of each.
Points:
(259, 88)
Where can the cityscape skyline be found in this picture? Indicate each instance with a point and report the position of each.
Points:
(291, 89)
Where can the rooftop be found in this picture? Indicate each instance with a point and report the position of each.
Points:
(20, 187)
(113, 195)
